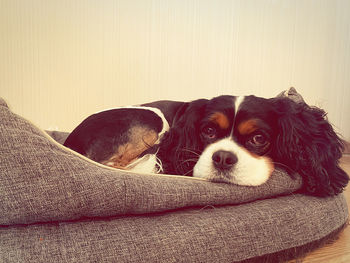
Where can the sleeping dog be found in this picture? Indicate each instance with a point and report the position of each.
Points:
(229, 139)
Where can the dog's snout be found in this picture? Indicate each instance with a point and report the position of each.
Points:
(224, 160)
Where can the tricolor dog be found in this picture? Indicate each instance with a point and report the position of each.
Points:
(229, 139)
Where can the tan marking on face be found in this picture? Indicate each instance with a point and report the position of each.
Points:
(140, 139)
(247, 127)
(220, 119)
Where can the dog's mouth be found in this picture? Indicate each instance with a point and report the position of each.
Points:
(221, 178)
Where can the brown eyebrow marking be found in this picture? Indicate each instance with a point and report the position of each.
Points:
(220, 119)
(247, 127)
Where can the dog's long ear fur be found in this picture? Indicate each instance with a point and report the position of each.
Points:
(179, 145)
(308, 143)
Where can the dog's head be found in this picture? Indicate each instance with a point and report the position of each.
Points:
(241, 139)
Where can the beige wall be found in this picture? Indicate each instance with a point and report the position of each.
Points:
(62, 60)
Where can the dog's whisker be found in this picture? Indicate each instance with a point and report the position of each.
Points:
(285, 166)
(189, 160)
(191, 151)
(188, 172)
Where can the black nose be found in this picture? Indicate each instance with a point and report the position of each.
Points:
(224, 160)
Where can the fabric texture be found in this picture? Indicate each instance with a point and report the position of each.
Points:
(58, 206)
(221, 234)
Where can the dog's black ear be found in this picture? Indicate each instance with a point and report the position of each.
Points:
(179, 146)
(308, 143)
(186, 122)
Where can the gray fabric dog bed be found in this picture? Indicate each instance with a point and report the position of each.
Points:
(58, 206)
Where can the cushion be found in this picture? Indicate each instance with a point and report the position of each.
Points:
(211, 234)
(59, 206)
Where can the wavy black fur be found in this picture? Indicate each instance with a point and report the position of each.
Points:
(307, 143)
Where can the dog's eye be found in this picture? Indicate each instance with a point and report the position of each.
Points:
(258, 140)
(209, 132)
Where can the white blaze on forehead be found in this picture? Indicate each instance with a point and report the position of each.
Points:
(238, 103)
